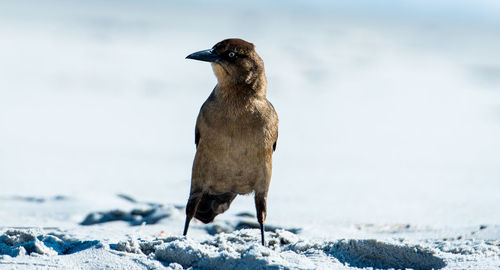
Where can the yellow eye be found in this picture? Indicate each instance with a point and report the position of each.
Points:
(231, 54)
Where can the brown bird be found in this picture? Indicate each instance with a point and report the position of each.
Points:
(235, 135)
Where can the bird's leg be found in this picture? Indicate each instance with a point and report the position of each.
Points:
(192, 204)
(260, 206)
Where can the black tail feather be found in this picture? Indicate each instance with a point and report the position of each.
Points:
(211, 205)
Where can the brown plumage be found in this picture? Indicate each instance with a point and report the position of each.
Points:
(236, 133)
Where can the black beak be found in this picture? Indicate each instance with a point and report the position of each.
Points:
(206, 55)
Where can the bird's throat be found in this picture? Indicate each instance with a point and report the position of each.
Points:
(239, 87)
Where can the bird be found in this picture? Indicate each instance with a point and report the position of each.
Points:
(236, 134)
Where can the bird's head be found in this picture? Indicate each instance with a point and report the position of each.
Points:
(234, 62)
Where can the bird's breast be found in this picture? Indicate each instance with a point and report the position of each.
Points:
(233, 157)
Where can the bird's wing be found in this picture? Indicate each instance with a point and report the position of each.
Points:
(274, 144)
(197, 134)
(276, 119)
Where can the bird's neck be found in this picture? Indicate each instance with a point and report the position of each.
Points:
(238, 92)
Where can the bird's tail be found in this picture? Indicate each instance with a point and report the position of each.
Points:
(211, 205)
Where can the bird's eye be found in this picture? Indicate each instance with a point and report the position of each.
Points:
(231, 54)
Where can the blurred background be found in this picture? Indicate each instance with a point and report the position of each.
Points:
(389, 110)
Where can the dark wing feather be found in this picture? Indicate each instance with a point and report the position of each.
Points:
(274, 111)
(196, 136)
